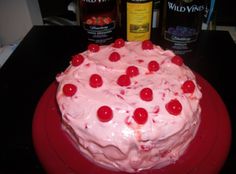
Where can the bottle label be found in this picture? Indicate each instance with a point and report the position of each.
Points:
(98, 18)
(181, 34)
(100, 29)
(139, 21)
(188, 7)
(183, 23)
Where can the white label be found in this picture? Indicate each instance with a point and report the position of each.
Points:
(188, 9)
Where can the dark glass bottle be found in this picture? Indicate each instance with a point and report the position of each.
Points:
(99, 20)
(209, 19)
(181, 24)
(156, 14)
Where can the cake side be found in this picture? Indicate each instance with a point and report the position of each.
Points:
(129, 107)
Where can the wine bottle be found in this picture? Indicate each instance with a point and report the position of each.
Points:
(209, 17)
(182, 20)
(137, 19)
(156, 14)
(99, 19)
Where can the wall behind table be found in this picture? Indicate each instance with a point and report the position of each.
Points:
(16, 18)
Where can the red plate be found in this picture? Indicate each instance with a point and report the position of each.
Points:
(206, 154)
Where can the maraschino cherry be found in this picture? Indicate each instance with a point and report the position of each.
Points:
(174, 107)
(140, 115)
(132, 71)
(177, 60)
(69, 89)
(93, 47)
(77, 60)
(95, 80)
(104, 113)
(123, 80)
(188, 86)
(153, 66)
(146, 94)
(114, 56)
(147, 45)
(119, 43)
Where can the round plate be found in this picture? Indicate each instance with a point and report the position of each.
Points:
(206, 153)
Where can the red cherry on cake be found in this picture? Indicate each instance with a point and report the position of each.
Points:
(188, 86)
(69, 89)
(177, 60)
(77, 60)
(119, 43)
(95, 81)
(93, 47)
(123, 80)
(104, 113)
(132, 71)
(140, 115)
(146, 94)
(147, 45)
(153, 66)
(174, 107)
(114, 57)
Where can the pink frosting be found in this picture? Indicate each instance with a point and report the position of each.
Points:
(121, 144)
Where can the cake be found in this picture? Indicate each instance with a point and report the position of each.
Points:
(129, 106)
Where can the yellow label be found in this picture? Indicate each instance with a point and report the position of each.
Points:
(139, 18)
